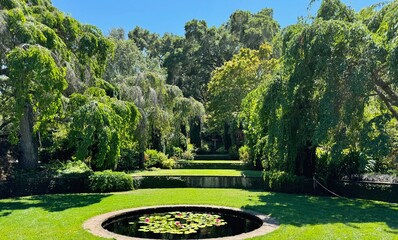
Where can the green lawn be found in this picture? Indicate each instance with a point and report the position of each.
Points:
(199, 172)
(301, 217)
(214, 161)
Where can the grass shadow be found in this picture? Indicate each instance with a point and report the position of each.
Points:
(51, 203)
(300, 210)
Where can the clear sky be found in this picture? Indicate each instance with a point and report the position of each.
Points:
(162, 16)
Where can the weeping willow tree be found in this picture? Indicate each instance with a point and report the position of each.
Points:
(101, 127)
(45, 56)
(163, 108)
(336, 73)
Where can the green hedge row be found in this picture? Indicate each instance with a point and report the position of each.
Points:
(366, 190)
(106, 181)
(38, 186)
(287, 183)
(279, 181)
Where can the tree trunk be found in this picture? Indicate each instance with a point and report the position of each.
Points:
(142, 139)
(305, 161)
(29, 158)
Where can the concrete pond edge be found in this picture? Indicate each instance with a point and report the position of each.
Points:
(94, 225)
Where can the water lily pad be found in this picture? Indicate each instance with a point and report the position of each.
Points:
(178, 222)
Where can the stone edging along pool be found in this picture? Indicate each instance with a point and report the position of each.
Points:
(94, 225)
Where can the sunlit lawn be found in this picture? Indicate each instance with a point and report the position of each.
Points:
(199, 172)
(301, 217)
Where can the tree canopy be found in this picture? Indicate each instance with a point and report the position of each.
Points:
(320, 103)
(316, 98)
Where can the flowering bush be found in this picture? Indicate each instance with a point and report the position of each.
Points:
(154, 158)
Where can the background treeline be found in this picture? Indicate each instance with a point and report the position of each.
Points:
(316, 98)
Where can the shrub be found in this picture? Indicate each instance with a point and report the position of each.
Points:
(168, 163)
(129, 160)
(353, 163)
(285, 182)
(154, 158)
(244, 154)
(204, 148)
(187, 155)
(108, 181)
(233, 152)
(160, 181)
(73, 168)
(177, 152)
(221, 149)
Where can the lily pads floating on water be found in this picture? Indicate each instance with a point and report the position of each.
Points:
(178, 222)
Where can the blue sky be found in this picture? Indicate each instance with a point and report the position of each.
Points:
(162, 16)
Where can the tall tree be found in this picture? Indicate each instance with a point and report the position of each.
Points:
(163, 107)
(325, 86)
(37, 84)
(101, 127)
(252, 30)
(234, 80)
(39, 50)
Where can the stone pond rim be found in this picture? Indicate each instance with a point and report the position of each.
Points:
(94, 225)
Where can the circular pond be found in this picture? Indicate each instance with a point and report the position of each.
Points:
(181, 222)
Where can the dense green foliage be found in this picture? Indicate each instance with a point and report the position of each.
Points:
(108, 181)
(101, 127)
(165, 112)
(234, 80)
(316, 98)
(45, 57)
(154, 158)
(51, 84)
(190, 60)
(327, 100)
(280, 181)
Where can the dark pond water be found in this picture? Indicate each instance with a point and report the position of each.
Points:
(237, 223)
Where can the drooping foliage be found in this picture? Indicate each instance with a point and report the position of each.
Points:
(322, 104)
(33, 73)
(36, 84)
(328, 106)
(101, 127)
(45, 57)
(164, 109)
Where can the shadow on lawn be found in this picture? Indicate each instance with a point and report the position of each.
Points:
(299, 210)
(51, 203)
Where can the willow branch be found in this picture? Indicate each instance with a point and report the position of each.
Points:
(387, 102)
(391, 94)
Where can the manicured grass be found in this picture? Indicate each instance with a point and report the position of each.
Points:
(199, 172)
(210, 164)
(214, 161)
(301, 217)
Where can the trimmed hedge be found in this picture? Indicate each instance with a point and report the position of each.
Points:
(108, 181)
(18, 187)
(367, 190)
(279, 181)
(199, 182)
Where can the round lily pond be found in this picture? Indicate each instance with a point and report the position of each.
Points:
(181, 222)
